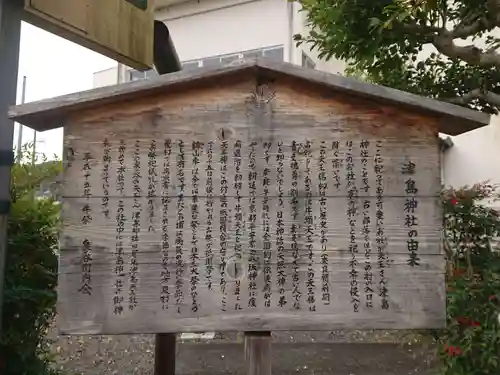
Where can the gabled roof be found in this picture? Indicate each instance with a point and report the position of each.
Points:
(51, 113)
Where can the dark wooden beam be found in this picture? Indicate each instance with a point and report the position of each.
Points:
(165, 348)
(165, 56)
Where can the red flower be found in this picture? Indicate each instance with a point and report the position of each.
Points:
(452, 350)
(492, 298)
(467, 321)
(462, 320)
(453, 201)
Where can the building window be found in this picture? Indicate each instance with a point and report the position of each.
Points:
(151, 73)
(274, 53)
(229, 59)
(211, 62)
(135, 75)
(190, 65)
(307, 62)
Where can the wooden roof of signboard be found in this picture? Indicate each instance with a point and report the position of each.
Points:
(53, 113)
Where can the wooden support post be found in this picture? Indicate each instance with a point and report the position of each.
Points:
(258, 353)
(165, 348)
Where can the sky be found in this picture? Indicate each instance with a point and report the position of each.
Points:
(53, 66)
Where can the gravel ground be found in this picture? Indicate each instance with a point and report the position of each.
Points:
(110, 355)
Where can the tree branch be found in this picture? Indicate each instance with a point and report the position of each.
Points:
(465, 30)
(443, 40)
(487, 96)
(471, 54)
(414, 28)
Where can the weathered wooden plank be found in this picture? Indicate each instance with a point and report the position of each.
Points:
(103, 230)
(114, 28)
(334, 153)
(237, 209)
(52, 113)
(258, 353)
(454, 119)
(412, 300)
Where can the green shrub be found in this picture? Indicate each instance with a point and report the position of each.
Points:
(30, 274)
(471, 342)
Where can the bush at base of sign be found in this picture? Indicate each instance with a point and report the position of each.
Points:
(31, 273)
(471, 342)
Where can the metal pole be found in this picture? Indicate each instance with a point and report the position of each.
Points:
(20, 133)
(10, 35)
(33, 156)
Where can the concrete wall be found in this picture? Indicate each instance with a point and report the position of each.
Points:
(217, 27)
(105, 77)
(474, 157)
(220, 27)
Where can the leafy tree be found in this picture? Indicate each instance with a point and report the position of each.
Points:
(444, 49)
(31, 271)
(32, 172)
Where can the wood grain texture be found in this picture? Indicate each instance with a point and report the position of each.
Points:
(53, 113)
(258, 353)
(283, 246)
(114, 28)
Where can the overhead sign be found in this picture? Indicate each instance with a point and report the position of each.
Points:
(120, 29)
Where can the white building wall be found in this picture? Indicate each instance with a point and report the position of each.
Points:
(105, 77)
(474, 157)
(206, 28)
(218, 27)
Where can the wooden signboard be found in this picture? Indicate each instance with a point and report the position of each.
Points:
(276, 199)
(119, 29)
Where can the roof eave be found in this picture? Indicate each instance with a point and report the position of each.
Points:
(456, 119)
(51, 113)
